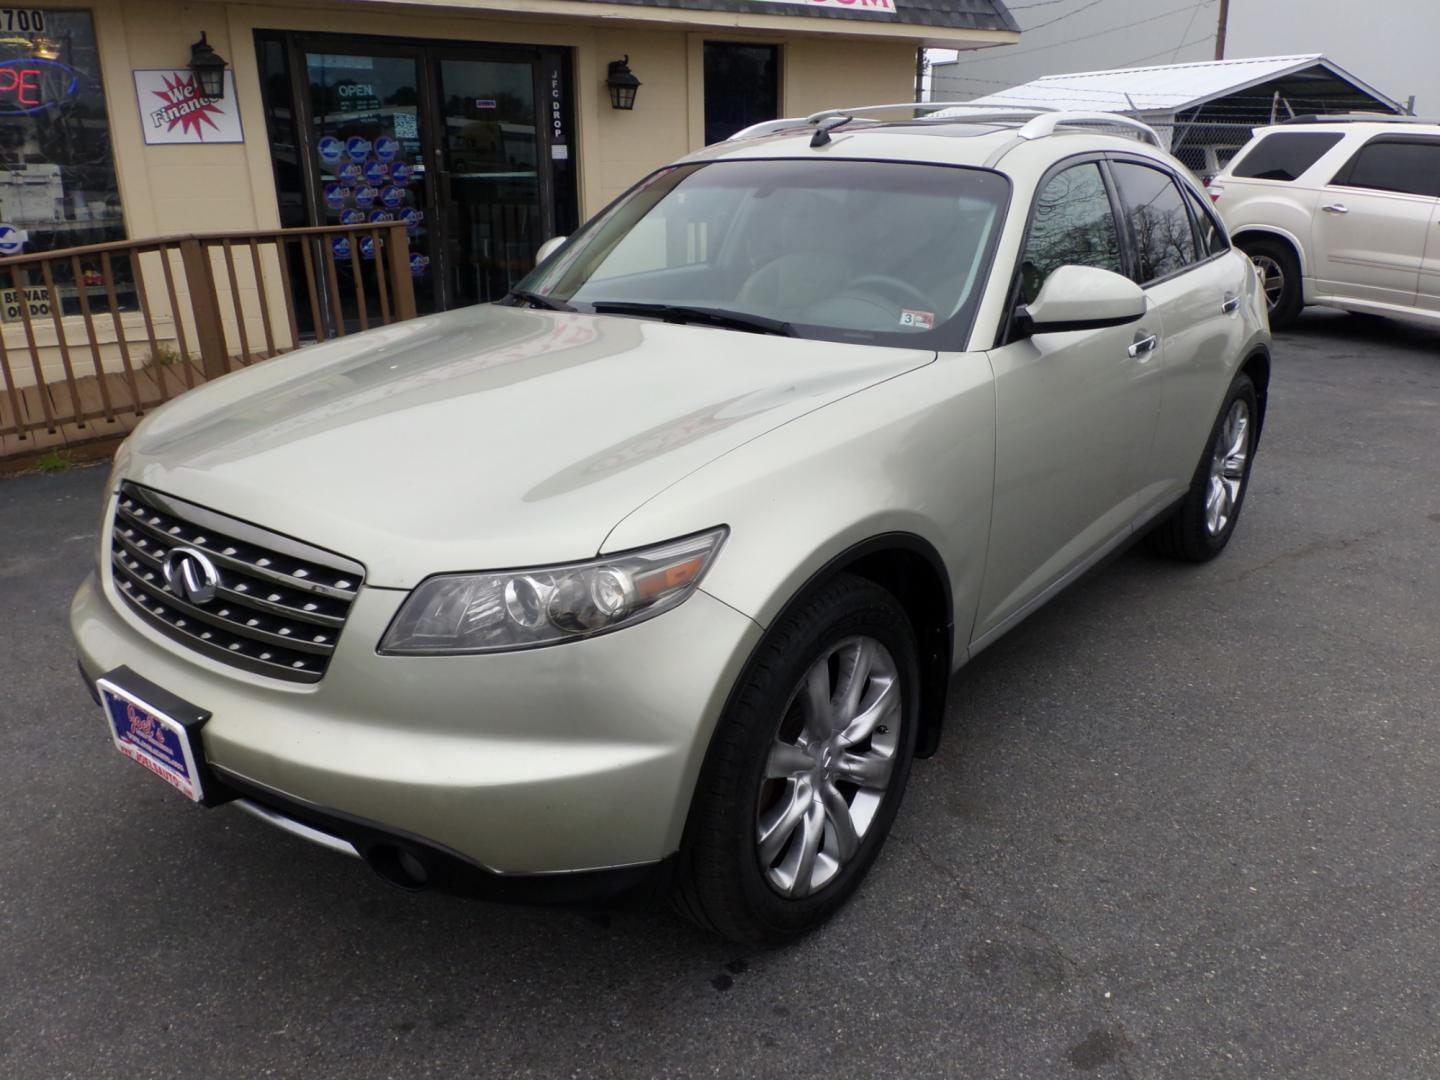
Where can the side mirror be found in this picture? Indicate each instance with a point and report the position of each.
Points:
(1084, 298)
(548, 248)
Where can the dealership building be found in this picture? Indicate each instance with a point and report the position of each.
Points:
(485, 126)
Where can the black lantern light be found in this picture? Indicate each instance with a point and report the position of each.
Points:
(622, 83)
(208, 67)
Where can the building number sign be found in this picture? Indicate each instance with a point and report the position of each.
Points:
(22, 20)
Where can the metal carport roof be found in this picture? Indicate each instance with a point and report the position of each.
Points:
(1174, 88)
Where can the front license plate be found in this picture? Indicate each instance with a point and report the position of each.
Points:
(146, 735)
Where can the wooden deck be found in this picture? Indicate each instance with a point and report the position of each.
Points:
(109, 408)
(229, 298)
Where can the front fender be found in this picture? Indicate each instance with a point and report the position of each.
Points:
(913, 455)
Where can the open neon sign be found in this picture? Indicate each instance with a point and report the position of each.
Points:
(32, 86)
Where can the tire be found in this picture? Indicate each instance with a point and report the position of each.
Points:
(1284, 289)
(733, 881)
(1192, 532)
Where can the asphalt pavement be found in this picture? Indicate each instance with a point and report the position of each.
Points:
(1183, 824)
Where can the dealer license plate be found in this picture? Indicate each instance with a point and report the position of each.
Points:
(148, 736)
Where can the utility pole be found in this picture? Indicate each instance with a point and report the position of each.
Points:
(1220, 31)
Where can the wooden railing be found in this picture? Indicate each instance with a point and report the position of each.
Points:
(92, 337)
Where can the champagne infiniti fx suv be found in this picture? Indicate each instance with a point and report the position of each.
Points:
(652, 576)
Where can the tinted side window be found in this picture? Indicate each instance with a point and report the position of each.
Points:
(1159, 222)
(1285, 155)
(1212, 236)
(1409, 167)
(1072, 225)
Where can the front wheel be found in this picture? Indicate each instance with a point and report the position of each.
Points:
(807, 769)
(1204, 521)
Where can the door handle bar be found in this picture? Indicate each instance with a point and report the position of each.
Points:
(1336, 208)
(1230, 306)
(1143, 345)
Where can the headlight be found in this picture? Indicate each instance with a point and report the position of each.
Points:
(523, 609)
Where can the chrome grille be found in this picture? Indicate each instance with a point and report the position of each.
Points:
(280, 604)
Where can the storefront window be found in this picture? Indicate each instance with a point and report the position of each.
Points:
(57, 177)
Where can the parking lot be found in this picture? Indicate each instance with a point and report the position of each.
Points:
(1183, 824)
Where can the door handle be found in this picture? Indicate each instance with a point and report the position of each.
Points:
(1142, 345)
(1230, 306)
(1336, 208)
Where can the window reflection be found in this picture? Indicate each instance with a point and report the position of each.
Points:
(1164, 238)
(1073, 226)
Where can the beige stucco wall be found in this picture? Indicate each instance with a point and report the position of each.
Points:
(168, 190)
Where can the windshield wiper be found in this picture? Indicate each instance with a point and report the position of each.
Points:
(535, 299)
(681, 313)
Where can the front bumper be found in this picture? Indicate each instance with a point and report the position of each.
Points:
(577, 757)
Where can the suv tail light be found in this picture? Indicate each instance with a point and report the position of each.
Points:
(1215, 191)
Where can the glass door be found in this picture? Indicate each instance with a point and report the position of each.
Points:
(367, 146)
(489, 182)
(468, 145)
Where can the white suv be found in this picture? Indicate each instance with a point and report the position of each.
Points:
(657, 572)
(1340, 211)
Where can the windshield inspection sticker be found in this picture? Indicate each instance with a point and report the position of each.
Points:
(919, 320)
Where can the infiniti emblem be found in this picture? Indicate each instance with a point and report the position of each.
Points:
(190, 575)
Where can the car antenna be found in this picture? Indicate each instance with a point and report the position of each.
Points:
(829, 124)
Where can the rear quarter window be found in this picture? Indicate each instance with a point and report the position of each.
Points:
(1406, 166)
(1211, 233)
(1285, 155)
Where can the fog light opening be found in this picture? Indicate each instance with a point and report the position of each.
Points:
(413, 868)
(399, 866)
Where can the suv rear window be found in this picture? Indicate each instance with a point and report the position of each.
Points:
(1284, 155)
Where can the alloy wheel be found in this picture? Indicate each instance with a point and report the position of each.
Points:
(1272, 278)
(830, 766)
(1227, 468)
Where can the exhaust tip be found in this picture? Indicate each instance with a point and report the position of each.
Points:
(399, 866)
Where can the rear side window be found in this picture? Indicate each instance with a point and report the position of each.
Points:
(1159, 222)
(1412, 168)
(1073, 225)
(1285, 155)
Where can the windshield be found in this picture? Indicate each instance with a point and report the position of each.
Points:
(883, 252)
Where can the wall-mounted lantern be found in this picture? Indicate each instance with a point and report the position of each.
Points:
(622, 83)
(208, 67)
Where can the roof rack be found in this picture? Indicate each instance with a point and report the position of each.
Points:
(768, 127)
(1357, 118)
(927, 106)
(1048, 123)
(1031, 121)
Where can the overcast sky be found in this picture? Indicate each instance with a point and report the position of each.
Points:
(1390, 44)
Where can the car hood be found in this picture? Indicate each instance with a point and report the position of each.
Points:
(491, 437)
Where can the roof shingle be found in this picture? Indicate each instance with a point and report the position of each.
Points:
(950, 14)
